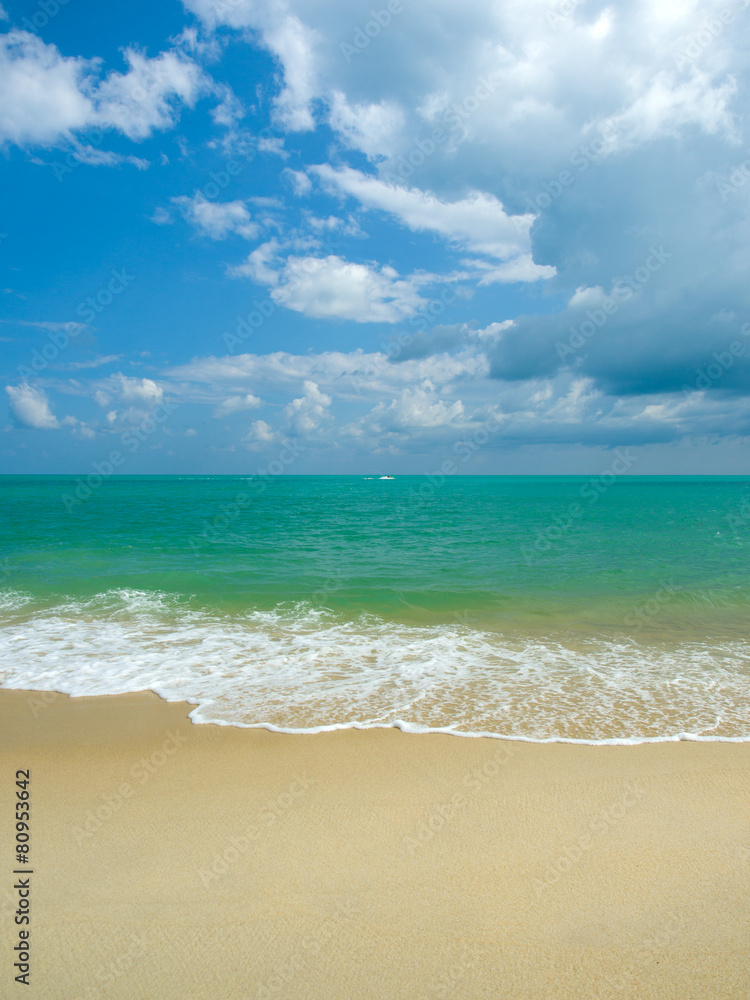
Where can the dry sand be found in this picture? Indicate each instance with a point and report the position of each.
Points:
(197, 862)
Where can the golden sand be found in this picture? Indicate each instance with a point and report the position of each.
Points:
(195, 862)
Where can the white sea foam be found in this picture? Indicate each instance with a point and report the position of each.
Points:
(298, 669)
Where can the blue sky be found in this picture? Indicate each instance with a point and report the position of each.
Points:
(336, 237)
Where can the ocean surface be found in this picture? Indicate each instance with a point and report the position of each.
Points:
(607, 608)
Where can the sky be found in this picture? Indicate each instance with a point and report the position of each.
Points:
(322, 236)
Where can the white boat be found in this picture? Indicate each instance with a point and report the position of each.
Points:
(387, 477)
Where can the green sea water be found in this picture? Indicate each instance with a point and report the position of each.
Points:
(606, 607)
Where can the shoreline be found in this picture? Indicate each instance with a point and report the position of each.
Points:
(45, 697)
(198, 860)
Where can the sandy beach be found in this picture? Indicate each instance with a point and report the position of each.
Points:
(173, 860)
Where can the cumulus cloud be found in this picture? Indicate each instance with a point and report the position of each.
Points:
(148, 97)
(217, 219)
(375, 401)
(351, 375)
(31, 407)
(134, 399)
(547, 151)
(667, 106)
(43, 95)
(301, 183)
(308, 413)
(290, 41)
(237, 404)
(141, 390)
(333, 288)
(47, 98)
(369, 127)
(260, 436)
(417, 407)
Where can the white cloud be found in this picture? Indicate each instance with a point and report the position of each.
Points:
(292, 43)
(289, 40)
(665, 107)
(418, 407)
(509, 83)
(217, 219)
(75, 366)
(237, 404)
(259, 266)
(45, 97)
(333, 288)
(521, 268)
(260, 436)
(161, 217)
(369, 127)
(307, 414)
(587, 297)
(148, 96)
(353, 375)
(141, 390)
(478, 222)
(299, 180)
(3, 13)
(229, 110)
(31, 407)
(70, 327)
(136, 399)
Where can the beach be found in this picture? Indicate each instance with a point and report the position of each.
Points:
(176, 860)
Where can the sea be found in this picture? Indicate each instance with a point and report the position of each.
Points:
(599, 609)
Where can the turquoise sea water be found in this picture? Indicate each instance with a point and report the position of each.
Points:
(597, 608)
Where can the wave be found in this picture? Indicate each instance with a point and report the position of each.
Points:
(298, 668)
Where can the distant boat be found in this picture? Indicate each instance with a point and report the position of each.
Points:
(387, 477)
